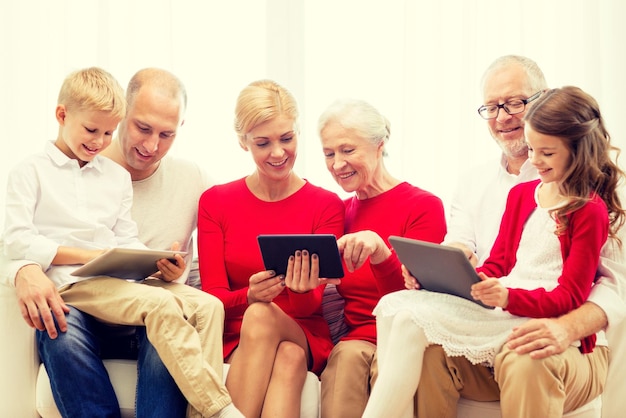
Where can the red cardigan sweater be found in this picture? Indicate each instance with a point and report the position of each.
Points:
(581, 244)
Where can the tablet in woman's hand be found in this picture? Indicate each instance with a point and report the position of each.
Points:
(276, 250)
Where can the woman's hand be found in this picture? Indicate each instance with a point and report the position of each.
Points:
(490, 291)
(410, 282)
(264, 286)
(303, 272)
(358, 246)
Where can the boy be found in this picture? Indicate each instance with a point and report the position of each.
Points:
(67, 205)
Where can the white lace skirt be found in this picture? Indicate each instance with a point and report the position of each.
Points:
(461, 327)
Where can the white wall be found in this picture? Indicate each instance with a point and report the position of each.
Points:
(419, 62)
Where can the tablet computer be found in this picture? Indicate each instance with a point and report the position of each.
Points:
(438, 268)
(125, 263)
(276, 250)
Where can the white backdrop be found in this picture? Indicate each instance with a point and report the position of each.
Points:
(419, 62)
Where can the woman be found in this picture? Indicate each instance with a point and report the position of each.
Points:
(274, 329)
(353, 135)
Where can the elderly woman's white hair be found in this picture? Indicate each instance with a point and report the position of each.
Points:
(358, 115)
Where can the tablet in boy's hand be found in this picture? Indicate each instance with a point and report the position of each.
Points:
(125, 263)
(276, 250)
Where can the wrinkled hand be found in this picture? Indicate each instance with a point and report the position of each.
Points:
(540, 338)
(39, 300)
(410, 282)
(490, 291)
(264, 286)
(170, 271)
(358, 246)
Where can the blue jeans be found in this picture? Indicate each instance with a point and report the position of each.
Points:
(80, 383)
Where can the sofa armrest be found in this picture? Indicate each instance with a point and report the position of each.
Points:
(18, 359)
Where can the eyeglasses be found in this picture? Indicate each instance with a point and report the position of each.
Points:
(512, 107)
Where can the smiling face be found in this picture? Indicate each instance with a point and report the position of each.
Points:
(273, 145)
(83, 134)
(352, 160)
(148, 130)
(503, 84)
(549, 155)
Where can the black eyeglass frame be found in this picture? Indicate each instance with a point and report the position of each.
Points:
(505, 104)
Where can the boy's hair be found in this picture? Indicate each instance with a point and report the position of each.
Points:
(93, 89)
(574, 116)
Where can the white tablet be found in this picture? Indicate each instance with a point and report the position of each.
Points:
(438, 268)
(125, 263)
(276, 250)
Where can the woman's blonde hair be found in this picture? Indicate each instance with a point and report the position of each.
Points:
(261, 101)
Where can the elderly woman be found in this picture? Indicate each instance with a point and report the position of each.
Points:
(353, 135)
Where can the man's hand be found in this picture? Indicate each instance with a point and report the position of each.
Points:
(40, 301)
(170, 271)
(471, 256)
(540, 338)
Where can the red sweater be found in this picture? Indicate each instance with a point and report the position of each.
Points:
(230, 218)
(581, 244)
(406, 211)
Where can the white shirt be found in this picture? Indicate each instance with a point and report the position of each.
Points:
(479, 203)
(52, 202)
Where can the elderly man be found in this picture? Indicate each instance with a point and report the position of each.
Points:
(526, 381)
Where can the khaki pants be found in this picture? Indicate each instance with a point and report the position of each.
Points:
(185, 326)
(525, 387)
(348, 378)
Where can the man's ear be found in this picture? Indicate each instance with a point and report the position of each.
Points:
(60, 113)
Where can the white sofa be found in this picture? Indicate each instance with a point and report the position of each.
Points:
(25, 395)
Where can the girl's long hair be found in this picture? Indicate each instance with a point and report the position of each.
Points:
(574, 116)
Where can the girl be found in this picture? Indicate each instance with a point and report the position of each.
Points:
(542, 264)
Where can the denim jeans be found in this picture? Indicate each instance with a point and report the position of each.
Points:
(80, 383)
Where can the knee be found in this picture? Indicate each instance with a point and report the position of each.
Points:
(519, 369)
(259, 322)
(290, 362)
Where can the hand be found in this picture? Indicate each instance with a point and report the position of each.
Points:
(358, 246)
(303, 272)
(264, 286)
(171, 271)
(490, 291)
(410, 282)
(39, 300)
(471, 256)
(540, 338)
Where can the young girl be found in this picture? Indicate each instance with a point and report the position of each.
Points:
(542, 264)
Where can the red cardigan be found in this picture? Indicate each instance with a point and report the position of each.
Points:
(581, 244)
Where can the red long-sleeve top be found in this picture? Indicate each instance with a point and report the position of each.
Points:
(406, 211)
(230, 218)
(581, 244)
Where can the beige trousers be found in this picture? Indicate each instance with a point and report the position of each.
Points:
(349, 375)
(184, 324)
(544, 388)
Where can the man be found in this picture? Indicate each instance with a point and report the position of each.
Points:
(525, 379)
(166, 193)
